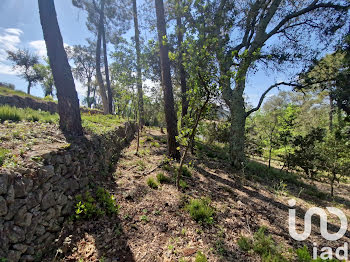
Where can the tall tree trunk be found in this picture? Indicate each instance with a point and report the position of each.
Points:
(237, 141)
(331, 109)
(88, 92)
(138, 66)
(170, 115)
(98, 61)
(184, 101)
(108, 82)
(68, 103)
(28, 87)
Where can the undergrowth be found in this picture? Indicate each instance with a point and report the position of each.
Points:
(200, 210)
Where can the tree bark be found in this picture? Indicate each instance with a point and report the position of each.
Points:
(138, 65)
(28, 87)
(99, 77)
(170, 115)
(105, 57)
(89, 92)
(184, 101)
(68, 103)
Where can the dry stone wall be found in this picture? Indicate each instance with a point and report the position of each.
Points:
(36, 200)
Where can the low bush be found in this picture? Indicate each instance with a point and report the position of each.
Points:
(200, 210)
(152, 183)
(161, 178)
(200, 257)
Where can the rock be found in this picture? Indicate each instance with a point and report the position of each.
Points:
(189, 252)
(14, 207)
(3, 206)
(20, 247)
(3, 183)
(48, 200)
(23, 218)
(68, 159)
(14, 233)
(48, 170)
(10, 195)
(62, 199)
(40, 230)
(50, 213)
(27, 258)
(22, 186)
(14, 255)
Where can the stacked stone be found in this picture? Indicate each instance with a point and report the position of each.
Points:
(36, 200)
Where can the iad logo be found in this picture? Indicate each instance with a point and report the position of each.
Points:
(328, 253)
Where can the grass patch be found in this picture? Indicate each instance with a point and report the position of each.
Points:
(15, 114)
(152, 183)
(3, 155)
(99, 124)
(200, 257)
(5, 91)
(263, 245)
(200, 210)
(161, 178)
(183, 184)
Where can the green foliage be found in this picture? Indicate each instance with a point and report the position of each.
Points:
(48, 98)
(200, 257)
(141, 165)
(263, 245)
(183, 184)
(99, 124)
(152, 183)
(17, 114)
(161, 178)
(89, 207)
(200, 210)
(303, 255)
(144, 218)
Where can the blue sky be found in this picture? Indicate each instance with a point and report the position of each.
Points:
(20, 27)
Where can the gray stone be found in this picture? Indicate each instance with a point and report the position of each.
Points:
(3, 206)
(22, 186)
(27, 258)
(23, 219)
(46, 187)
(14, 255)
(48, 200)
(50, 213)
(40, 230)
(30, 250)
(3, 183)
(14, 233)
(20, 247)
(62, 199)
(48, 170)
(10, 195)
(68, 159)
(32, 200)
(14, 207)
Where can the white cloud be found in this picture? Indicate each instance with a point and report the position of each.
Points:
(14, 31)
(7, 69)
(40, 47)
(9, 40)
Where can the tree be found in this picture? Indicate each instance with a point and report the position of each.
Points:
(68, 103)
(269, 32)
(104, 17)
(138, 65)
(170, 115)
(25, 63)
(85, 65)
(46, 80)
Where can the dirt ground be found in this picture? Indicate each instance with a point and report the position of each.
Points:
(152, 224)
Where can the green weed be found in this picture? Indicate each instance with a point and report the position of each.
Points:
(200, 210)
(152, 183)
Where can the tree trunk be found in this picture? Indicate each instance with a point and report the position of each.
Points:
(170, 115)
(28, 87)
(184, 101)
(88, 92)
(330, 113)
(138, 65)
(68, 103)
(108, 82)
(98, 62)
(238, 118)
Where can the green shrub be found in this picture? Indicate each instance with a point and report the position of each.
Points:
(162, 178)
(152, 183)
(3, 154)
(141, 165)
(263, 245)
(88, 207)
(186, 171)
(155, 144)
(200, 210)
(48, 98)
(9, 113)
(107, 201)
(303, 255)
(200, 257)
(183, 184)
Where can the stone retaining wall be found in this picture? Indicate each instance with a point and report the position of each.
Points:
(35, 201)
(52, 107)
